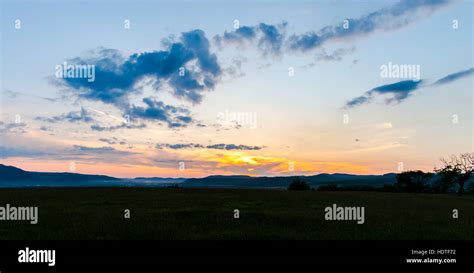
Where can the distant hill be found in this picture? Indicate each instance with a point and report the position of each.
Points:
(239, 181)
(13, 173)
(14, 177)
(160, 179)
(9, 172)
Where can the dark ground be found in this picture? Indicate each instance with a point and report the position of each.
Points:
(98, 213)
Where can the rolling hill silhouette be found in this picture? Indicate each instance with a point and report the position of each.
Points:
(15, 177)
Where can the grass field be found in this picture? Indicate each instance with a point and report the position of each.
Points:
(98, 213)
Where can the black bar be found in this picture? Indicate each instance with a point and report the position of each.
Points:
(237, 256)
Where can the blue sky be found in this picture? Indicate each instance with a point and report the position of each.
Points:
(299, 117)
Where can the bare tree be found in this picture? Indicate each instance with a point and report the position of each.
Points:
(457, 169)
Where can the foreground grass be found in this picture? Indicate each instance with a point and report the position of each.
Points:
(208, 214)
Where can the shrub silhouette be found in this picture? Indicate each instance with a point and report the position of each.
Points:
(299, 185)
(413, 181)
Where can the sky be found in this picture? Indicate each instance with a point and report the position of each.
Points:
(262, 88)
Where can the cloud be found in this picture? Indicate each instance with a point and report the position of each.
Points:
(187, 67)
(16, 127)
(6, 152)
(336, 55)
(200, 146)
(233, 147)
(100, 150)
(179, 146)
(398, 91)
(11, 94)
(46, 129)
(391, 18)
(235, 69)
(455, 76)
(239, 35)
(157, 110)
(113, 140)
(270, 38)
(14, 95)
(99, 128)
(73, 116)
(94, 149)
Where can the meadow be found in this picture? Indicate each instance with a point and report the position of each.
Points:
(195, 214)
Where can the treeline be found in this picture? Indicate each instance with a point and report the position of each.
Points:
(410, 181)
(454, 176)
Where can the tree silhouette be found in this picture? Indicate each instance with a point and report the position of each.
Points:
(299, 185)
(457, 170)
(412, 181)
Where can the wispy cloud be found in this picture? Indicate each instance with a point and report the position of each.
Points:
(99, 128)
(15, 127)
(398, 91)
(94, 149)
(455, 76)
(233, 147)
(73, 116)
(178, 146)
(220, 146)
(7, 152)
(269, 38)
(401, 90)
(390, 18)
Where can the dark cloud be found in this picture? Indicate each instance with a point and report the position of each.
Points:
(305, 41)
(114, 81)
(401, 90)
(73, 116)
(187, 67)
(272, 38)
(391, 18)
(358, 101)
(398, 91)
(455, 76)
(157, 110)
(240, 35)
